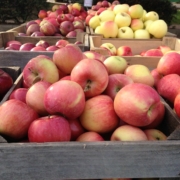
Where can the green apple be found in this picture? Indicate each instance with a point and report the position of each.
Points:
(158, 28)
(94, 22)
(141, 34)
(125, 33)
(122, 19)
(151, 15)
(115, 64)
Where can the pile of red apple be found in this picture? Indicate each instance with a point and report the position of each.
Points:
(63, 21)
(6, 82)
(84, 96)
(110, 49)
(41, 45)
(116, 20)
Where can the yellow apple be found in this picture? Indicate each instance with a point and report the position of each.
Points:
(109, 29)
(158, 28)
(151, 15)
(110, 47)
(143, 16)
(147, 23)
(121, 8)
(140, 74)
(136, 11)
(94, 22)
(122, 19)
(125, 33)
(141, 34)
(107, 15)
(98, 30)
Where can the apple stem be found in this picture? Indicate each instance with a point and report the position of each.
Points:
(36, 79)
(88, 86)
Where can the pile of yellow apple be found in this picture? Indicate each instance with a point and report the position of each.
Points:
(127, 22)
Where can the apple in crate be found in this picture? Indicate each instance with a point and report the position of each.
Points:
(115, 64)
(35, 97)
(71, 34)
(99, 115)
(94, 55)
(86, 74)
(67, 57)
(38, 48)
(42, 13)
(6, 82)
(142, 108)
(62, 43)
(124, 51)
(169, 64)
(169, 86)
(153, 52)
(66, 27)
(52, 48)
(32, 28)
(125, 33)
(66, 98)
(89, 136)
(26, 46)
(30, 22)
(76, 128)
(155, 135)
(42, 43)
(49, 129)
(115, 83)
(135, 11)
(121, 8)
(47, 28)
(157, 76)
(12, 42)
(110, 48)
(140, 74)
(128, 133)
(19, 93)
(15, 119)
(40, 69)
(122, 19)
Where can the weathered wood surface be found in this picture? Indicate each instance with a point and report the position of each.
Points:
(137, 46)
(52, 161)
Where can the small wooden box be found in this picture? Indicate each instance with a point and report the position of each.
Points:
(94, 160)
(137, 47)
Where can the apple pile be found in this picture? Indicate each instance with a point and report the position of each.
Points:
(41, 45)
(63, 21)
(82, 96)
(124, 21)
(125, 50)
(167, 79)
(6, 82)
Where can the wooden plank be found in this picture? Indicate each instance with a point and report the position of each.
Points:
(93, 160)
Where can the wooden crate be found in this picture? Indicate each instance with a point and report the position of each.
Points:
(13, 34)
(137, 47)
(14, 72)
(94, 160)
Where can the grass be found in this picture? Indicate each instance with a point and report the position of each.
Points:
(176, 19)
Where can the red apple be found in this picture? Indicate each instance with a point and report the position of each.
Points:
(15, 119)
(42, 43)
(105, 3)
(157, 76)
(66, 27)
(35, 97)
(15, 46)
(69, 17)
(6, 82)
(19, 93)
(153, 52)
(89, 16)
(78, 24)
(30, 22)
(94, 55)
(115, 83)
(76, 128)
(42, 14)
(32, 28)
(40, 69)
(169, 86)
(71, 34)
(49, 129)
(62, 43)
(143, 106)
(176, 105)
(62, 17)
(99, 115)
(22, 34)
(90, 136)
(38, 48)
(67, 57)
(52, 48)
(26, 46)
(65, 97)
(13, 42)
(75, 12)
(87, 74)
(47, 28)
